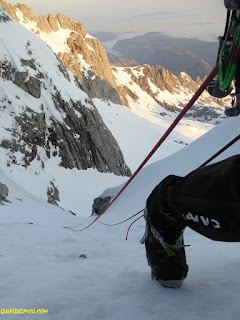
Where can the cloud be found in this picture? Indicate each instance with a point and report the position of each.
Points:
(173, 17)
(164, 15)
(154, 14)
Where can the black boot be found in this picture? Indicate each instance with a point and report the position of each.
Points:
(163, 237)
(167, 261)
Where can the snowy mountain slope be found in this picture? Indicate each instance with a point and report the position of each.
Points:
(157, 93)
(47, 123)
(137, 133)
(113, 281)
(42, 109)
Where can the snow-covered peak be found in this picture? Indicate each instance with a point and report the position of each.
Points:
(79, 52)
(158, 91)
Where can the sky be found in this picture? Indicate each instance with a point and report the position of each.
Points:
(203, 19)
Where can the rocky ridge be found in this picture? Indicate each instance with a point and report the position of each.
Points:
(121, 62)
(84, 55)
(168, 91)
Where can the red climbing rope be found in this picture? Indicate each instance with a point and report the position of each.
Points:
(163, 138)
(132, 224)
(115, 224)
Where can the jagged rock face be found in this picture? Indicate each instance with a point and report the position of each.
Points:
(21, 8)
(84, 145)
(54, 23)
(80, 142)
(44, 113)
(163, 78)
(167, 90)
(83, 54)
(43, 24)
(98, 81)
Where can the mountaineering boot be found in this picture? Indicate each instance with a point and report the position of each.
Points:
(167, 261)
(163, 237)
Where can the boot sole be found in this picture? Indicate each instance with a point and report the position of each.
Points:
(174, 284)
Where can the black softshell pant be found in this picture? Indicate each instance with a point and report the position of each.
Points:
(207, 200)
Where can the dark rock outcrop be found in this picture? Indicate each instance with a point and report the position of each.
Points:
(81, 140)
(4, 18)
(101, 89)
(3, 192)
(53, 194)
(31, 86)
(84, 141)
(99, 204)
(5, 69)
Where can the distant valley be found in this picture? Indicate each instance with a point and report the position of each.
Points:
(191, 55)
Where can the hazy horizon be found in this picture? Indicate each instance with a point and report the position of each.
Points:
(201, 19)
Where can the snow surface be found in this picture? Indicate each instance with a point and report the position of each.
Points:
(135, 130)
(41, 267)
